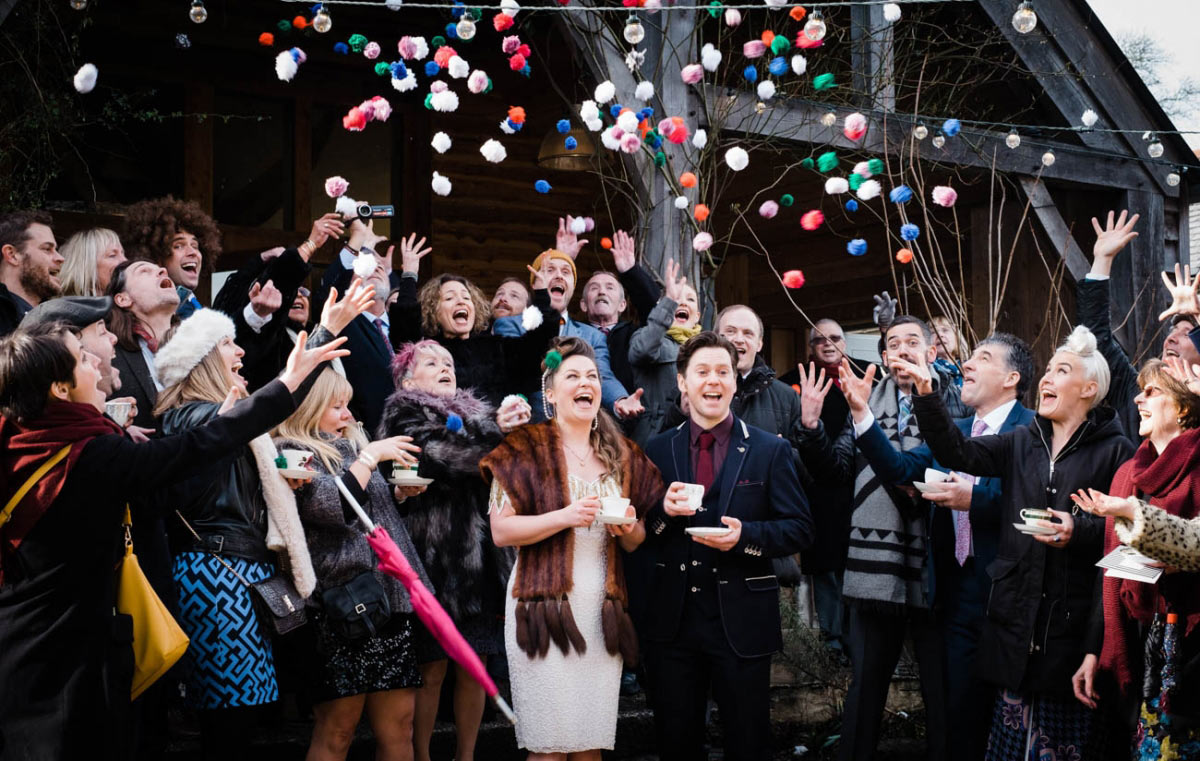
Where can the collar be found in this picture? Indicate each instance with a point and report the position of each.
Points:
(387, 322)
(23, 306)
(721, 431)
(996, 417)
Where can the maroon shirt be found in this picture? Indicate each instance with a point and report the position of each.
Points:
(721, 434)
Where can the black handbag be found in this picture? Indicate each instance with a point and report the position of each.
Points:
(359, 608)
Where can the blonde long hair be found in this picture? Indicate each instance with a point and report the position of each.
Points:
(80, 253)
(302, 426)
(205, 383)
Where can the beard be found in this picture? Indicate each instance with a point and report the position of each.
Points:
(38, 282)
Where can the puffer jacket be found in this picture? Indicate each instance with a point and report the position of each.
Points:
(1044, 612)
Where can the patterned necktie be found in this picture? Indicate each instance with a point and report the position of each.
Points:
(905, 413)
(962, 518)
(387, 342)
(704, 465)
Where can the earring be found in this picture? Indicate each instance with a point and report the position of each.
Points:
(596, 421)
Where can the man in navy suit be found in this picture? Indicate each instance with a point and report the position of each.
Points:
(964, 538)
(714, 600)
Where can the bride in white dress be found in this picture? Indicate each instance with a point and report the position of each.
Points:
(565, 696)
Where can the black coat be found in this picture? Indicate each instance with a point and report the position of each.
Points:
(11, 311)
(1091, 311)
(1044, 612)
(65, 658)
(642, 293)
(827, 452)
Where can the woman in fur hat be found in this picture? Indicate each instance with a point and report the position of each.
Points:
(236, 524)
(566, 628)
(455, 429)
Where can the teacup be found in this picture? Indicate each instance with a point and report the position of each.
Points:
(695, 495)
(297, 459)
(613, 507)
(936, 476)
(1030, 515)
(118, 411)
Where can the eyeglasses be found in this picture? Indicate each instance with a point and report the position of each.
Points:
(302, 291)
(821, 340)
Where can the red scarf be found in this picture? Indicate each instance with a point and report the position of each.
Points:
(147, 335)
(1171, 482)
(23, 449)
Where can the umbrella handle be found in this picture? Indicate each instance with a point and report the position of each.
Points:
(362, 515)
(504, 708)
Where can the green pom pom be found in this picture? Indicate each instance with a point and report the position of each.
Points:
(827, 162)
(383, 68)
(660, 159)
(714, 8)
(283, 25)
(429, 101)
(489, 86)
(281, 462)
(786, 199)
(855, 180)
(807, 163)
(357, 42)
(553, 360)
(438, 41)
(824, 82)
(523, 398)
(875, 166)
(780, 45)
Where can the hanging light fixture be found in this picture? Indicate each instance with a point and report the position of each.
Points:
(634, 31)
(1014, 139)
(939, 141)
(554, 154)
(1048, 157)
(79, 4)
(1025, 19)
(920, 132)
(322, 21)
(1173, 179)
(198, 13)
(465, 28)
(1155, 149)
(814, 28)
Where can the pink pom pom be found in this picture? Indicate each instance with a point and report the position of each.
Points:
(855, 126)
(692, 73)
(443, 55)
(812, 220)
(371, 50)
(630, 142)
(437, 86)
(355, 120)
(383, 109)
(336, 186)
(367, 108)
(944, 196)
(510, 44)
(793, 278)
(589, 224)
(516, 62)
(408, 48)
(754, 49)
(502, 22)
(768, 210)
(702, 241)
(733, 17)
(478, 80)
(674, 129)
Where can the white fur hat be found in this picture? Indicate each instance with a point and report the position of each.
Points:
(193, 340)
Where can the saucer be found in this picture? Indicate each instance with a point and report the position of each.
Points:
(301, 474)
(399, 478)
(616, 520)
(1025, 528)
(709, 530)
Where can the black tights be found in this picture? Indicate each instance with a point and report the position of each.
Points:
(225, 733)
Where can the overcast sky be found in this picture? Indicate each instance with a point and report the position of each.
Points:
(1173, 24)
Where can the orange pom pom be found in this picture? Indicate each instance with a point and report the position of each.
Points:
(516, 114)
(767, 36)
(606, 243)
(797, 13)
(701, 212)
(266, 39)
(300, 22)
(904, 256)
(687, 180)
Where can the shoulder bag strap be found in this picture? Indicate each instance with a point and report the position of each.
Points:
(220, 559)
(33, 479)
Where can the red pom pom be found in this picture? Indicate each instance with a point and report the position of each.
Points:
(516, 62)
(266, 39)
(443, 55)
(797, 13)
(355, 120)
(812, 220)
(604, 242)
(793, 278)
(563, 2)
(502, 22)
(701, 212)
(804, 43)
(524, 50)
(904, 256)
(516, 114)
(767, 36)
(300, 22)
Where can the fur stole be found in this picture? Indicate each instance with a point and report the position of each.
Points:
(285, 534)
(532, 470)
(463, 403)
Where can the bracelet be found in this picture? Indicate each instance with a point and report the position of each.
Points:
(368, 460)
(312, 247)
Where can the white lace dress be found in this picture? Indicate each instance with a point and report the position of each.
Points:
(568, 703)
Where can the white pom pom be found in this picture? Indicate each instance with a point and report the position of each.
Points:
(644, 91)
(710, 57)
(422, 48)
(799, 64)
(477, 82)
(610, 141)
(365, 264)
(589, 111)
(393, 5)
(737, 158)
(458, 68)
(346, 206)
(446, 100)
(681, 202)
(775, 4)
(595, 125)
(869, 189)
(506, 128)
(578, 225)
(441, 184)
(285, 66)
(700, 139)
(863, 169)
(627, 121)
(766, 90)
(409, 82)
(440, 142)
(493, 151)
(605, 91)
(1090, 118)
(531, 318)
(891, 12)
(85, 78)
(509, 8)
(836, 185)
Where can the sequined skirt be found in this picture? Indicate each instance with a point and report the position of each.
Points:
(354, 667)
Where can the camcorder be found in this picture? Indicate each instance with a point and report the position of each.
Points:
(379, 211)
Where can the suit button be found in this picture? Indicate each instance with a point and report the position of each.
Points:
(695, 562)
(682, 567)
(695, 589)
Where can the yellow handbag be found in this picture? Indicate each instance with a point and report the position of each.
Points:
(158, 642)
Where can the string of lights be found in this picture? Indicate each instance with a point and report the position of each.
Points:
(400, 4)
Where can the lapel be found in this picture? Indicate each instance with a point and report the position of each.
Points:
(739, 450)
(375, 338)
(1013, 419)
(681, 456)
(135, 363)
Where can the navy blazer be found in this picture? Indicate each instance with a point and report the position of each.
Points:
(987, 504)
(759, 485)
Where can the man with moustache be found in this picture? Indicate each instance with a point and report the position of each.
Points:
(713, 618)
(29, 265)
(512, 297)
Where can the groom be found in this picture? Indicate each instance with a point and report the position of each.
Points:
(713, 618)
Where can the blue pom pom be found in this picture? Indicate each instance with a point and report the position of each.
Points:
(901, 194)
(909, 231)
(571, 143)
(541, 186)
(645, 113)
(525, 71)
(296, 53)
(457, 10)
(615, 110)
(313, 10)
(851, 205)
(778, 66)
(399, 70)
(454, 423)
(951, 127)
(431, 68)
(856, 247)
(341, 48)
(751, 74)
(654, 140)
(451, 31)
(563, 126)
(514, 126)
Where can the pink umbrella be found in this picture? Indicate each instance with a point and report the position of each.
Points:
(428, 609)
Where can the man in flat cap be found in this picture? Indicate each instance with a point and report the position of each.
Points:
(87, 315)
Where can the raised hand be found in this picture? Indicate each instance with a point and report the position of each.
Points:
(1111, 239)
(630, 406)
(539, 278)
(813, 389)
(336, 315)
(920, 374)
(265, 298)
(624, 254)
(1103, 505)
(1184, 298)
(302, 361)
(1187, 374)
(514, 412)
(231, 398)
(857, 390)
(884, 312)
(411, 253)
(565, 240)
(325, 227)
(673, 287)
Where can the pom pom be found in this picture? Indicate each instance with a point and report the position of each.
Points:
(440, 142)
(578, 225)
(766, 90)
(627, 121)
(754, 49)
(812, 220)
(285, 68)
(836, 185)
(85, 78)
(891, 12)
(799, 64)
(674, 129)
(605, 91)
(786, 199)
(951, 127)
(516, 115)
(509, 8)
(266, 39)
(443, 55)
(346, 206)
(300, 22)
(824, 81)
(751, 74)
(736, 158)
(827, 161)
(412, 48)
(341, 48)
(797, 13)
(778, 66)
(441, 184)
(804, 42)
(869, 189)
(398, 69)
(364, 264)
(405, 83)
(493, 151)
(855, 126)
(687, 180)
(357, 42)
(354, 120)
(510, 44)
(630, 142)
(909, 231)
(501, 22)
(570, 143)
(615, 110)
(336, 186)
(700, 139)
(856, 181)
(692, 73)
(900, 194)
(851, 205)
(383, 109)
(733, 17)
(904, 256)
(710, 57)
(372, 50)
(445, 101)
(610, 138)
(856, 247)
(793, 279)
(458, 68)
(807, 163)
(780, 45)
(944, 196)
(454, 423)
(431, 68)
(541, 186)
(606, 243)
(563, 126)
(681, 202)
(768, 209)
(702, 241)
(552, 360)
(589, 111)
(531, 318)
(1089, 118)
(700, 212)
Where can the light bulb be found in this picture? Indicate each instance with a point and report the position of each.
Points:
(321, 21)
(634, 31)
(465, 28)
(939, 141)
(920, 132)
(829, 119)
(1024, 20)
(1173, 179)
(1013, 140)
(759, 107)
(198, 14)
(815, 29)
(1155, 149)
(1048, 158)
(79, 4)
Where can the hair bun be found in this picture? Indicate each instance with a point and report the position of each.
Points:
(1081, 341)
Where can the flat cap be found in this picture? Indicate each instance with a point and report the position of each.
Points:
(77, 311)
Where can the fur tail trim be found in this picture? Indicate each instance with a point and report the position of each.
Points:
(572, 630)
(628, 636)
(608, 622)
(523, 641)
(537, 626)
(554, 625)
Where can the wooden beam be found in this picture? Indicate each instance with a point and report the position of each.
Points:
(1055, 227)
(872, 56)
(198, 146)
(1137, 295)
